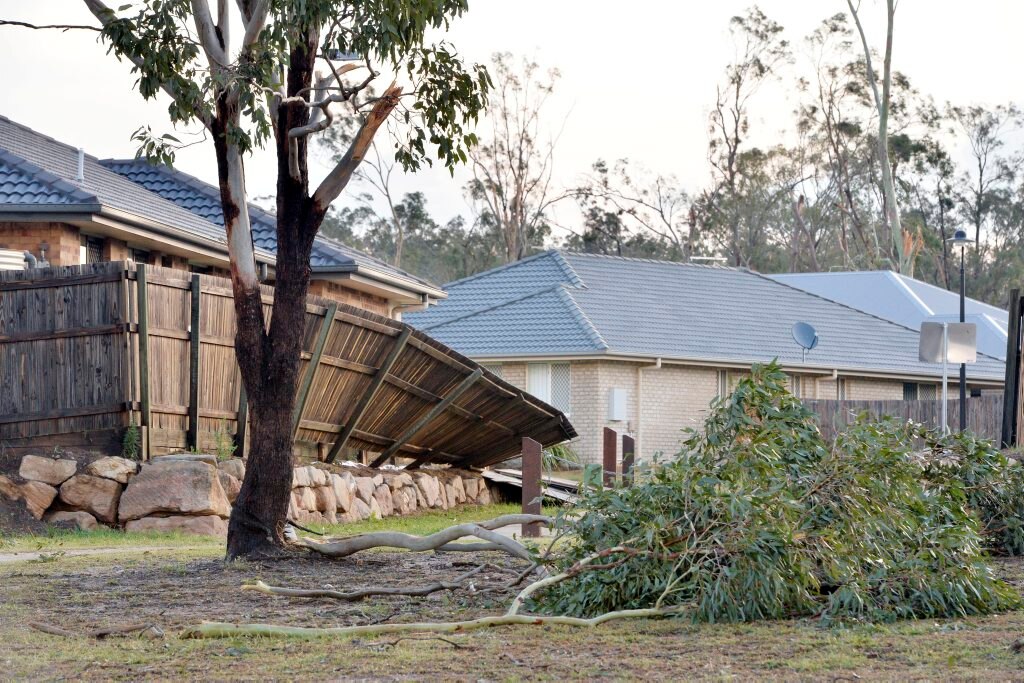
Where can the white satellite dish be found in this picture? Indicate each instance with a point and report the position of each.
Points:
(806, 337)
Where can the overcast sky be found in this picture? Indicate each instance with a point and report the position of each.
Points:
(638, 78)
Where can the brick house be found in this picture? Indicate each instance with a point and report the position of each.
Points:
(643, 346)
(65, 207)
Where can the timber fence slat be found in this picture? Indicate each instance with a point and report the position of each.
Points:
(984, 413)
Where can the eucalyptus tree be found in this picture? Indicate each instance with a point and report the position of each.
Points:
(271, 72)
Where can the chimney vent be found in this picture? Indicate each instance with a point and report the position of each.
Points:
(80, 175)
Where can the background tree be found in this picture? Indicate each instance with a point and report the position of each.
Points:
(260, 89)
(512, 187)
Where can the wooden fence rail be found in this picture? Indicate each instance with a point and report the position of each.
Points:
(86, 350)
(984, 413)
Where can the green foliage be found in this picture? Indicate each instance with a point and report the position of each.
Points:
(759, 518)
(157, 36)
(131, 442)
(224, 443)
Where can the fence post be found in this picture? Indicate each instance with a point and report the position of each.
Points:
(193, 366)
(314, 363)
(628, 449)
(1011, 386)
(609, 465)
(146, 414)
(531, 485)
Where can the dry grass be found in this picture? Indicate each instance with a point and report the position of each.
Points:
(176, 587)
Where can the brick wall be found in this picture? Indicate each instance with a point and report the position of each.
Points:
(342, 294)
(62, 241)
(858, 389)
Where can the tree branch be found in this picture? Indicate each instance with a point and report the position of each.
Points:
(338, 178)
(40, 27)
(357, 595)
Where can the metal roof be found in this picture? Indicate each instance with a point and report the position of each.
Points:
(566, 303)
(906, 301)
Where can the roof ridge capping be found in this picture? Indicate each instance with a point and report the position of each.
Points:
(547, 253)
(639, 259)
(494, 306)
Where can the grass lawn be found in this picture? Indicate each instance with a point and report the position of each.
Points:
(185, 582)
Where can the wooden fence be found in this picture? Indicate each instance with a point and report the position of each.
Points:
(984, 413)
(84, 350)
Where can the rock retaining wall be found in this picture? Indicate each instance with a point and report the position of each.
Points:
(193, 493)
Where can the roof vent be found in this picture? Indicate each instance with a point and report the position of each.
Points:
(80, 174)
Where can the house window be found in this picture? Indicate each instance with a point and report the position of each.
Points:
(493, 368)
(551, 383)
(912, 391)
(841, 388)
(90, 249)
(723, 383)
(139, 255)
(796, 386)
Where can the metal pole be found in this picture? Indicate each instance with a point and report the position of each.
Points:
(963, 366)
(945, 378)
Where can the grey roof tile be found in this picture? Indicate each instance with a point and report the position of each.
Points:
(658, 308)
(203, 199)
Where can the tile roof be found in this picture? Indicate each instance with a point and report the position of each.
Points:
(203, 199)
(906, 301)
(39, 172)
(560, 302)
(43, 161)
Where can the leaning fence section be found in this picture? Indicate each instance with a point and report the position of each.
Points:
(984, 413)
(86, 351)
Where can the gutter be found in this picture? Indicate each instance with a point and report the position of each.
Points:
(372, 273)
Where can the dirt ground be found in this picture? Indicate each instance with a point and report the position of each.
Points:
(177, 588)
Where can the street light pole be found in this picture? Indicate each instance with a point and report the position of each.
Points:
(963, 366)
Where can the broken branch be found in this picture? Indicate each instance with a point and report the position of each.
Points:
(355, 596)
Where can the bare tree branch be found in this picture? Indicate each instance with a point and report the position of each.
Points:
(40, 27)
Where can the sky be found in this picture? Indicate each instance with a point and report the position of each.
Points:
(637, 79)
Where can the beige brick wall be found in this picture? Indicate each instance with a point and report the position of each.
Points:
(352, 297)
(61, 240)
(674, 398)
(858, 389)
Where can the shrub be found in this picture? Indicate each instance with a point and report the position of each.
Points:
(759, 518)
(131, 441)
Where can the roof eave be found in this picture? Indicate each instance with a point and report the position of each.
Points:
(402, 284)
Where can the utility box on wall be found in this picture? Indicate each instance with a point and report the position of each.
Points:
(617, 405)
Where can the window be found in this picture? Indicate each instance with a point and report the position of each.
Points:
(909, 391)
(913, 391)
(91, 249)
(139, 255)
(841, 388)
(493, 368)
(723, 383)
(796, 386)
(551, 383)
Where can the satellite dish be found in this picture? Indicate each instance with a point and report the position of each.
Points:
(805, 336)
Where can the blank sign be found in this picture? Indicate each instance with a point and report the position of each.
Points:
(963, 343)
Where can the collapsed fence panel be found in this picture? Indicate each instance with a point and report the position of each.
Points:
(93, 348)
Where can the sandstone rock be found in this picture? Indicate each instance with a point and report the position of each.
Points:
(47, 470)
(202, 525)
(175, 487)
(294, 505)
(460, 489)
(364, 489)
(351, 516)
(484, 497)
(342, 493)
(37, 496)
(421, 502)
(8, 489)
(230, 484)
(375, 511)
(93, 494)
(325, 500)
(378, 479)
(428, 487)
(189, 457)
(472, 485)
(442, 496)
(307, 499)
(385, 501)
(318, 477)
(233, 466)
(361, 509)
(450, 495)
(300, 477)
(405, 500)
(117, 469)
(398, 481)
(82, 520)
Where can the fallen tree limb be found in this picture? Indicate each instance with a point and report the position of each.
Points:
(99, 633)
(355, 596)
(343, 547)
(213, 629)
